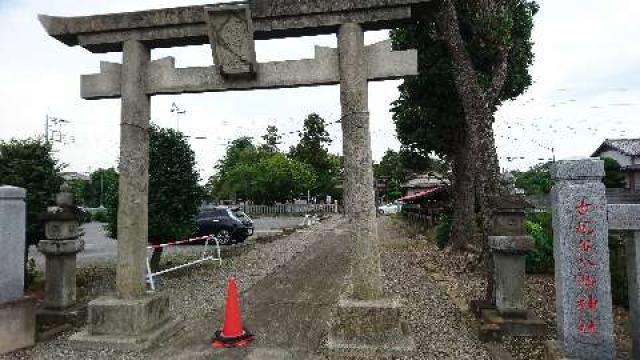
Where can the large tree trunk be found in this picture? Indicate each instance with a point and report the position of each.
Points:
(478, 107)
(463, 227)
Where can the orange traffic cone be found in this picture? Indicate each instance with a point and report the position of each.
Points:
(232, 334)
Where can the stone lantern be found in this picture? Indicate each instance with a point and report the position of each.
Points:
(509, 244)
(62, 232)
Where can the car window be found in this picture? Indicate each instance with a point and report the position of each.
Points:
(240, 214)
(221, 212)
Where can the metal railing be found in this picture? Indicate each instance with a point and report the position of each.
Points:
(205, 256)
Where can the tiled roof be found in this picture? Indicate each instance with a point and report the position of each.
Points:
(629, 147)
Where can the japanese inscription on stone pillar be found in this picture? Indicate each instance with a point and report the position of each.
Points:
(581, 252)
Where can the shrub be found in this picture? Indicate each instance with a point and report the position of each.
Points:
(101, 216)
(443, 230)
(540, 258)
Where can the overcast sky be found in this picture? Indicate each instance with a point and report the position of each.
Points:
(586, 72)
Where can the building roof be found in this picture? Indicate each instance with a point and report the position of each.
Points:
(423, 195)
(425, 181)
(629, 147)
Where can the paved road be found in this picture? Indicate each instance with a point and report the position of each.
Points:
(287, 310)
(99, 248)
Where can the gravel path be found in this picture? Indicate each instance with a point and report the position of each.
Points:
(439, 328)
(195, 293)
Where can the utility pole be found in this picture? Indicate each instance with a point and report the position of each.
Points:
(51, 122)
(175, 109)
(46, 130)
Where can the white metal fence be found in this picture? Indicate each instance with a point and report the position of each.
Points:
(210, 252)
(289, 209)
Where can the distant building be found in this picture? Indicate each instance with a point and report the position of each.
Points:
(627, 153)
(423, 183)
(71, 176)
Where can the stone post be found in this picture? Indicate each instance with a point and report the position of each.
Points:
(581, 252)
(365, 323)
(626, 217)
(134, 171)
(134, 319)
(17, 316)
(62, 230)
(359, 193)
(633, 272)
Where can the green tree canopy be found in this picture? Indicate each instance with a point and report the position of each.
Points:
(429, 115)
(536, 180)
(272, 139)
(29, 164)
(274, 178)
(174, 193)
(312, 150)
(614, 177)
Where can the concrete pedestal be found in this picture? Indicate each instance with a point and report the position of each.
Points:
(128, 324)
(365, 328)
(17, 325)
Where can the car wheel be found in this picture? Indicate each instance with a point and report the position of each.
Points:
(224, 237)
(380, 212)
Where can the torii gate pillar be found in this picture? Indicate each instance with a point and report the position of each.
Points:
(365, 323)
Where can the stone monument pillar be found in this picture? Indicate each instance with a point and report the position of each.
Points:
(62, 230)
(134, 319)
(633, 271)
(364, 321)
(17, 315)
(581, 252)
(509, 244)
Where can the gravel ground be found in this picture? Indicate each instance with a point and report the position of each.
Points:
(463, 286)
(440, 329)
(194, 292)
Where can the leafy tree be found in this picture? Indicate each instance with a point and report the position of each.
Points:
(536, 180)
(272, 139)
(312, 150)
(275, 178)
(29, 164)
(614, 177)
(174, 193)
(79, 189)
(237, 151)
(472, 57)
(392, 171)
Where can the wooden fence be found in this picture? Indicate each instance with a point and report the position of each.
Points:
(289, 209)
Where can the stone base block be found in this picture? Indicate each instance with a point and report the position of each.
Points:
(369, 328)
(131, 324)
(72, 314)
(17, 325)
(495, 325)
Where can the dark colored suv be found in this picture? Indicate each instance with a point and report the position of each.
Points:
(227, 224)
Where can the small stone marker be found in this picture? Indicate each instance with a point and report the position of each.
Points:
(581, 252)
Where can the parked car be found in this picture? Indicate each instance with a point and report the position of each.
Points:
(389, 209)
(227, 224)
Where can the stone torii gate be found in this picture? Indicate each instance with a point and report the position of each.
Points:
(364, 318)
